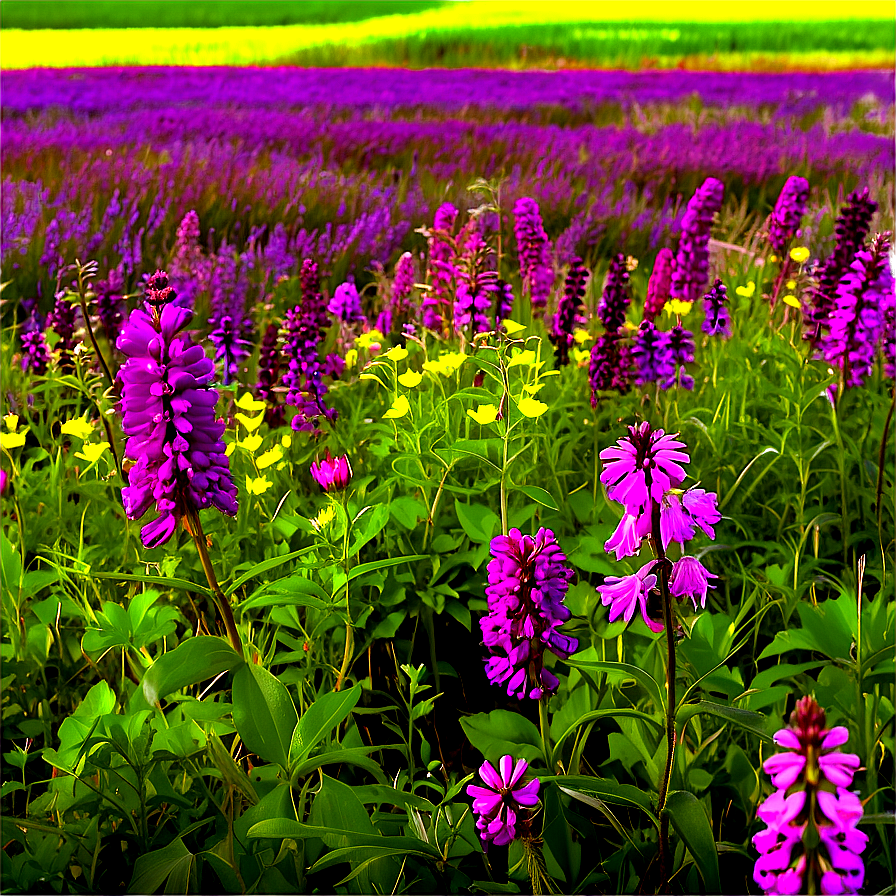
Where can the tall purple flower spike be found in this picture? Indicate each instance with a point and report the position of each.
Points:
(569, 312)
(660, 284)
(616, 297)
(535, 252)
(717, 320)
(168, 413)
(498, 805)
(528, 580)
(811, 777)
(788, 212)
(441, 269)
(691, 274)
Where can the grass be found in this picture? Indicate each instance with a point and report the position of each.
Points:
(452, 34)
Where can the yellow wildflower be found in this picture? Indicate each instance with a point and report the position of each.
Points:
(791, 284)
(372, 337)
(676, 306)
(399, 408)
(351, 357)
(531, 407)
(532, 388)
(581, 336)
(799, 254)
(511, 326)
(793, 301)
(252, 443)
(92, 451)
(248, 403)
(258, 486)
(631, 263)
(12, 422)
(229, 449)
(12, 440)
(79, 428)
(251, 423)
(410, 378)
(269, 457)
(324, 518)
(746, 291)
(397, 353)
(484, 414)
(286, 441)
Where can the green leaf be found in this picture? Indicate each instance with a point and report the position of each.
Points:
(538, 495)
(357, 756)
(500, 732)
(263, 713)
(173, 863)
(828, 628)
(368, 527)
(604, 789)
(192, 661)
(628, 671)
(477, 521)
(364, 568)
(320, 719)
(754, 722)
(379, 793)
(601, 713)
(168, 582)
(295, 591)
(692, 825)
(264, 566)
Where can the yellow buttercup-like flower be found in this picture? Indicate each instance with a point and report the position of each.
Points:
(793, 301)
(92, 451)
(251, 423)
(351, 357)
(10, 440)
(526, 358)
(484, 414)
(446, 363)
(269, 457)
(581, 336)
(79, 428)
(397, 353)
(531, 407)
(12, 422)
(746, 291)
(676, 306)
(324, 518)
(410, 378)
(248, 403)
(251, 443)
(511, 326)
(799, 254)
(370, 338)
(258, 486)
(399, 408)
(286, 441)
(791, 284)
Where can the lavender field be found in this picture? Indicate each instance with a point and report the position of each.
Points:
(447, 481)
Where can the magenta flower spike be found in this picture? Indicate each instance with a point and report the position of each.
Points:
(168, 412)
(332, 472)
(501, 801)
(810, 780)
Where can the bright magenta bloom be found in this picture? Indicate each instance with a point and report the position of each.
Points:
(499, 804)
(690, 578)
(623, 593)
(332, 472)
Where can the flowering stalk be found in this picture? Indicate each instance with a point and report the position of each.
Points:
(691, 273)
(535, 253)
(783, 223)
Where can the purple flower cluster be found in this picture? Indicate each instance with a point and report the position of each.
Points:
(650, 352)
(659, 285)
(109, 303)
(616, 297)
(168, 413)
(231, 328)
(788, 212)
(569, 311)
(500, 803)
(63, 318)
(503, 301)
(691, 273)
(643, 472)
(680, 352)
(535, 253)
(610, 365)
(35, 355)
(269, 375)
(345, 305)
(190, 269)
(856, 326)
(441, 267)
(477, 282)
(528, 580)
(399, 310)
(717, 320)
(811, 843)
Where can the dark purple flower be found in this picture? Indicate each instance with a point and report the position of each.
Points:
(110, 303)
(811, 778)
(889, 336)
(653, 360)
(269, 376)
(610, 365)
(302, 377)
(616, 295)
(231, 328)
(503, 301)
(168, 413)
(499, 804)
(691, 273)
(660, 284)
(403, 282)
(528, 580)
(232, 339)
(35, 355)
(788, 212)
(190, 269)
(717, 321)
(569, 312)
(332, 472)
(681, 352)
(535, 254)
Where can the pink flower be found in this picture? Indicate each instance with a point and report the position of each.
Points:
(498, 804)
(332, 472)
(629, 534)
(623, 593)
(690, 578)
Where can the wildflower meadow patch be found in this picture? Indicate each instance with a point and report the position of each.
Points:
(447, 482)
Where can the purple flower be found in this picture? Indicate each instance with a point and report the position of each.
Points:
(503, 301)
(403, 282)
(63, 318)
(535, 253)
(653, 360)
(332, 472)
(569, 312)
(680, 352)
(610, 366)
(499, 804)
(168, 412)
(659, 285)
(528, 580)
(680, 514)
(717, 320)
(626, 539)
(441, 268)
(35, 355)
(616, 297)
(690, 578)
(110, 303)
(642, 467)
(232, 339)
(623, 593)
(269, 375)
(889, 335)
(811, 777)
(346, 303)
(691, 273)
(788, 212)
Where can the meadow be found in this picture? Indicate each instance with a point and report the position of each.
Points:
(447, 481)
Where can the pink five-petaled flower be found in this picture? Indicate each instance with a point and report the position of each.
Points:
(623, 593)
(690, 578)
(332, 472)
(642, 467)
(498, 804)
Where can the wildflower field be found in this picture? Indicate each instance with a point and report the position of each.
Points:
(447, 481)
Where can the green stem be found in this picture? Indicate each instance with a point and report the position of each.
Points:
(544, 724)
(222, 602)
(349, 630)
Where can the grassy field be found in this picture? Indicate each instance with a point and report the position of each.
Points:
(450, 34)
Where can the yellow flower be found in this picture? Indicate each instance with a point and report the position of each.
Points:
(351, 357)
(793, 301)
(79, 428)
(581, 355)
(399, 408)
(252, 443)
(366, 340)
(773, 258)
(531, 407)
(229, 449)
(12, 422)
(92, 451)
(581, 336)
(251, 423)
(286, 441)
(526, 357)
(12, 440)
(631, 263)
(791, 284)
(258, 486)
(799, 254)
(746, 291)
(676, 306)
(446, 363)
(324, 518)
(410, 378)
(484, 414)
(532, 388)
(397, 353)
(511, 326)
(269, 457)
(248, 403)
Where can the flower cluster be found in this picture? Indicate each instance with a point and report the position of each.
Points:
(500, 803)
(168, 412)
(109, 303)
(691, 273)
(651, 355)
(477, 281)
(569, 312)
(811, 843)
(644, 472)
(268, 372)
(63, 318)
(788, 212)
(503, 301)
(535, 252)
(399, 310)
(660, 284)
(609, 367)
(717, 321)
(681, 352)
(190, 269)
(441, 269)
(346, 303)
(528, 580)
(231, 328)
(616, 297)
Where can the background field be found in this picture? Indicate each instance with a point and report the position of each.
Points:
(421, 34)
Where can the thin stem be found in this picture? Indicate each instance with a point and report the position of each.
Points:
(223, 604)
(82, 299)
(349, 630)
(544, 724)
